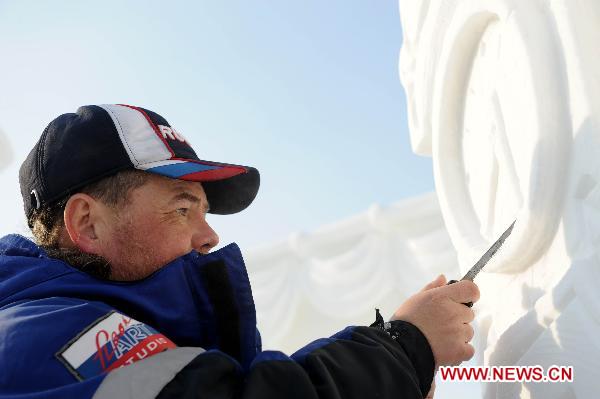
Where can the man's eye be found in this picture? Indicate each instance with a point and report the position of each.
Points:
(182, 211)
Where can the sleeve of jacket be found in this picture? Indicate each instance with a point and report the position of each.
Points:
(358, 362)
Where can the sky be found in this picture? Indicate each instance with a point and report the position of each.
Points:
(308, 92)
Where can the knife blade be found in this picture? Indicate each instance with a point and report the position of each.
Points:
(474, 271)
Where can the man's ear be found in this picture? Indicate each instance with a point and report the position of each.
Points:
(81, 217)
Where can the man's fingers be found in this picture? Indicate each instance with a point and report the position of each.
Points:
(468, 332)
(465, 314)
(463, 291)
(438, 282)
(439, 311)
(468, 353)
(465, 353)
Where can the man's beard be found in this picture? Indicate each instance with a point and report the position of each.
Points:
(135, 261)
(134, 269)
(94, 265)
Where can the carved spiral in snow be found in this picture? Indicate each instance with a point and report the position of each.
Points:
(488, 100)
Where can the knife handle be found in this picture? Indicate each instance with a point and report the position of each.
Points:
(469, 304)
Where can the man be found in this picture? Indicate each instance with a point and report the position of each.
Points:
(121, 296)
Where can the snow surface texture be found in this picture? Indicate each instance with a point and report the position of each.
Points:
(505, 97)
(312, 285)
(5, 151)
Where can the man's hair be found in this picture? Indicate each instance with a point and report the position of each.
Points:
(47, 222)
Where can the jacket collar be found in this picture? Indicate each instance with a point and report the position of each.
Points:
(195, 300)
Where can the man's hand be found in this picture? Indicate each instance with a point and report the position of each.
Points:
(439, 313)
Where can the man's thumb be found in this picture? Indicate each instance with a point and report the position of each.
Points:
(438, 282)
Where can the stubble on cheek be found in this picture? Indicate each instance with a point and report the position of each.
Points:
(134, 255)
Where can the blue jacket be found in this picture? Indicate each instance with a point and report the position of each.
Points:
(188, 330)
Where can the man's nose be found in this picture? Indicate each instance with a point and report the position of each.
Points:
(204, 238)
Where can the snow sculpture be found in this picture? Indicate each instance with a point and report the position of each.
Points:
(5, 151)
(505, 97)
(315, 284)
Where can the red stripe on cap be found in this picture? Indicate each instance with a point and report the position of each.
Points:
(154, 127)
(212, 175)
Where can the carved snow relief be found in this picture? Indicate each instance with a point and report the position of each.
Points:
(504, 95)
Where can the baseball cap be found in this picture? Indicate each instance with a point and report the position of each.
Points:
(97, 141)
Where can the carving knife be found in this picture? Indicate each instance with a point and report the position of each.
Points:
(474, 271)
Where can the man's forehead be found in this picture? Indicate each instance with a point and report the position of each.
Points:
(180, 189)
(166, 191)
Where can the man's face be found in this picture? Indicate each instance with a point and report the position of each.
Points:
(164, 219)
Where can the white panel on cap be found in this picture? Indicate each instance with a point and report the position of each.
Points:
(137, 135)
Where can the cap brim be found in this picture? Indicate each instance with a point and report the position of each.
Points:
(229, 188)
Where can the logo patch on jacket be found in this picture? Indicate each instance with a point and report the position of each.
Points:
(110, 342)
